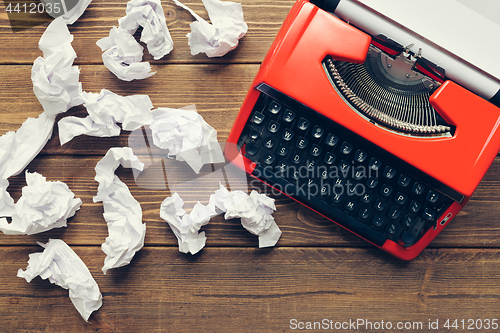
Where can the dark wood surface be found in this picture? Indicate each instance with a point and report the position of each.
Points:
(317, 272)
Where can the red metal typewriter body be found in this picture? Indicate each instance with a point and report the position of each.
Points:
(294, 68)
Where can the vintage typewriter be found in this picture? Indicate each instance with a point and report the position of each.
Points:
(363, 128)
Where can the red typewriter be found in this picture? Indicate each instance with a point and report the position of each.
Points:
(364, 130)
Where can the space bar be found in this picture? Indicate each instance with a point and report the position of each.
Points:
(322, 207)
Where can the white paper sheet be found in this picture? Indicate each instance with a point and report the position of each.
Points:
(123, 55)
(74, 14)
(62, 266)
(148, 14)
(44, 205)
(70, 11)
(7, 206)
(55, 81)
(186, 226)
(478, 50)
(20, 147)
(17, 150)
(185, 134)
(220, 37)
(457, 28)
(122, 212)
(105, 111)
(255, 211)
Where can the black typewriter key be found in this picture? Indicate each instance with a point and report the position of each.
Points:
(296, 158)
(374, 164)
(410, 236)
(283, 150)
(360, 156)
(366, 198)
(258, 118)
(251, 149)
(269, 143)
(432, 196)
(364, 213)
(324, 190)
(415, 206)
(394, 212)
(400, 198)
(329, 158)
(353, 189)
(418, 188)
(337, 197)
(315, 150)
(273, 126)
(281, 170)
(379, 205)
(301, 142)
(338, 185)
(346, 148)
(317, 132)
(323, 174)
(269, 159)
(312, 187)
(344, 167)
(331, 140)
(310, 183)
(254, 134)
(358, 173)
(392, 228)
(429, 214)
(274, 107)
(378, 221)
(403, 180)
(303, 124)
(407, 221)
(389, 172)
(350, 205)
(294, 173)
(372, 182)
(386, 190)
(287, 134)
(288, 116)
(310, 164)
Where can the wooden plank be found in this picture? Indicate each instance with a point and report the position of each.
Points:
(246, 290)
(477, 225)
(172, 86)
(264, 18)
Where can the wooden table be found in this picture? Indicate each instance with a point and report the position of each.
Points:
(317, 272)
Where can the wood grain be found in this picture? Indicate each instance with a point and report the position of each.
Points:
(172, 86)
(249, 290)
(263, 18)
(317, 270)
(477, 225)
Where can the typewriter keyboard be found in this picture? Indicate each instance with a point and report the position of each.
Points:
(340, 174)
